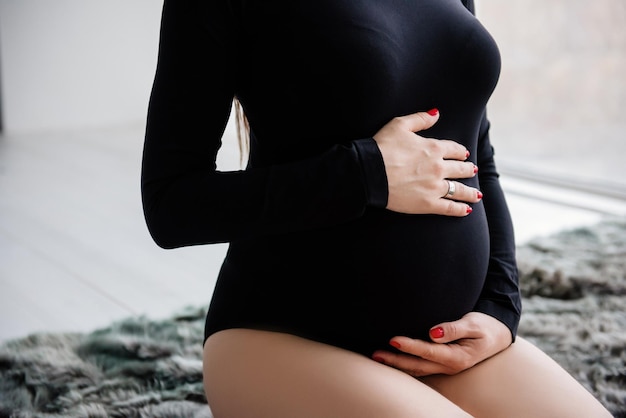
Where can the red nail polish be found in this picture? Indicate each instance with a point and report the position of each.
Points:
(467, 154)
(475, 169)
(468, 210)
(479, 195)
(378, 359)
(433, 111)
(436, 332)
(395, 344)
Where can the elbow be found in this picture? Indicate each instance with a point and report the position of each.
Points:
(172, 223)
(159, 227)
(160, 234)
(170, 232)
(163, 242)
(157, 223)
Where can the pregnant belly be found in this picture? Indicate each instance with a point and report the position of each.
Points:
(418, 271)
(359, 285)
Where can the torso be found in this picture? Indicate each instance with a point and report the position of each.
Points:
(319, 73)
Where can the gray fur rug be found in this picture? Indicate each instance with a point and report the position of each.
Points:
(574, 288)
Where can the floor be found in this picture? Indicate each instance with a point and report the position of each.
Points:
(74, 250)
(75, 253)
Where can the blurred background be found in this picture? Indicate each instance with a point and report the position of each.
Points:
(75, 79)
(559, 109)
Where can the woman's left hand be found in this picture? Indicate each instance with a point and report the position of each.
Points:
(457, 346)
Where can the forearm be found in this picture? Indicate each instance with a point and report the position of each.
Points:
(500, 296)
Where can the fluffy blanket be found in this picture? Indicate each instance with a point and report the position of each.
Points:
(574, 289)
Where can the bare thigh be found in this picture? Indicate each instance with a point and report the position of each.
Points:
(521, 381)
(262, 374)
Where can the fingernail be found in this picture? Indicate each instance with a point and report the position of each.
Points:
(378, 359)
(468, 210)
(479, 195)
(436, 332)
(433, 111)
(395, 344)
(475, 169)
(467, 154)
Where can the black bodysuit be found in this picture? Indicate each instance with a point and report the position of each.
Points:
(312, 249)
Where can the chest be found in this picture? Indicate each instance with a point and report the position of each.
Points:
(357, 63)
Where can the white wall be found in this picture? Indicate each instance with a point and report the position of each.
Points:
(72, 64)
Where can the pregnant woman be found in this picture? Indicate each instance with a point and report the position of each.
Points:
(371, 265)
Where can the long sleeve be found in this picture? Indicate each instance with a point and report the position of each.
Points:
(500, 296)
(186, 200)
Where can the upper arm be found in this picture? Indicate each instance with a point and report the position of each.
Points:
(192, 92)
(186, 200)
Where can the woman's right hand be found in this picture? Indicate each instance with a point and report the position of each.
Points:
(418, 168)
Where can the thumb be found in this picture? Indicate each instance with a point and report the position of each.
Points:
(421, 121)
(451, 331)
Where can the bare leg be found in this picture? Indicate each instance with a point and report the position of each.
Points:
(263, 374)
(522, 381)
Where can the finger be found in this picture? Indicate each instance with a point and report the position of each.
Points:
(452, 169)
(455, 330)
(438, 353)
(414, 366)
(453, 357)
(420, 121)
(454, 190)
(452, 150)
(449, 207)
(447, 149)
